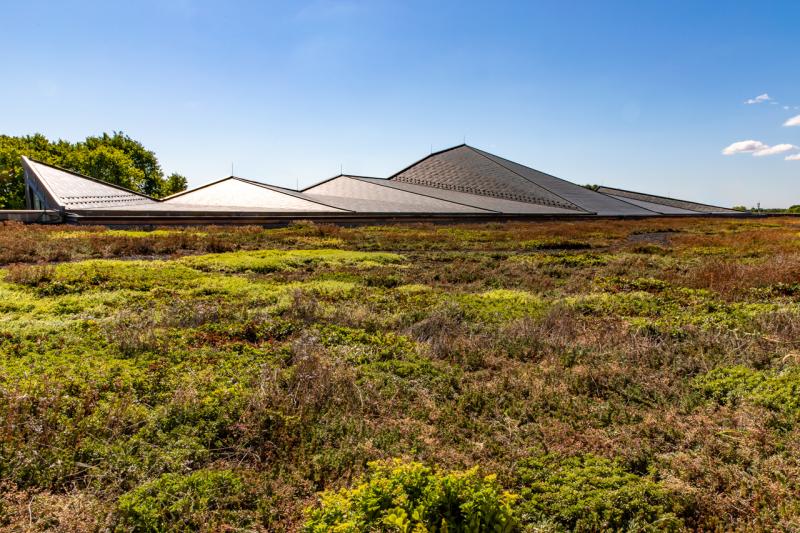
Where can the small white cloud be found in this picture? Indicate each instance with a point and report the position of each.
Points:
(786, 107)
(793, 157)
(744, 147)
(794, 121)
(757, 148)
(758, 99)
(773, 150)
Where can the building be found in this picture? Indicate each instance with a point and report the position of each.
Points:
(460, 183)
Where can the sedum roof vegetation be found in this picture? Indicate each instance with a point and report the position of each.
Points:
(617, 375)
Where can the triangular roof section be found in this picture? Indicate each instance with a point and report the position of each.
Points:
(467, 169)
(242, 193)
(66, 189)
(664, 204)
(464, 169)
(372, 195)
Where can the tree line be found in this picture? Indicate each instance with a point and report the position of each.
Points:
(115, 158)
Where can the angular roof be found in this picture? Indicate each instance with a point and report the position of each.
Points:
(369, 195)
(71, 190)
(467, 169)
(233, 192)
(662, 204)
(458, 182)
(490, 203)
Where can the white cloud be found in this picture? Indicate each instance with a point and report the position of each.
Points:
(758, 99)
(793, 157)
(744, 147)
(772, 150)
(757, 148)
(794, 121)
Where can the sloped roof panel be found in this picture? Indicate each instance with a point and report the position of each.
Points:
(74, 191)
(234, 192)
(658, 208)
(464, 169)
(581, 196)
(372, 197)
(665, 201)
(491, 203)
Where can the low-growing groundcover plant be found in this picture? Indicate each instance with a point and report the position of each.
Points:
(612, 374)
(205, 499)
(590, 493)
(406, 497)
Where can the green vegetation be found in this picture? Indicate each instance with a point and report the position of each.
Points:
(624, 375)
(204, 499)
(412, 497)
(113, 158)
(590, 493)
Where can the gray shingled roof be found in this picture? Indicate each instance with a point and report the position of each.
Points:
(467, 169)
(464, 169)
(581, 196)
(665, 201)
(71, 190)
(364, 195)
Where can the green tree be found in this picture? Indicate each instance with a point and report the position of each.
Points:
(115, 158)
(109, 164)
(174, 184)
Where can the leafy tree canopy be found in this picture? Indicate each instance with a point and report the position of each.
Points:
(115, 158)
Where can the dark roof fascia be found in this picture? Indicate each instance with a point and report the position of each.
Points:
(662, 198)
(101, 182)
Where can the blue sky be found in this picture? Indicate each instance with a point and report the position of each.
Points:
(641, 95)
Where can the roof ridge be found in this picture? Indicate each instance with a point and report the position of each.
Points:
(426, 157)
(491, 156)
(287, 191)
(487, 154)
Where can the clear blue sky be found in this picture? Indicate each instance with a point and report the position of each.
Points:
(640, 94)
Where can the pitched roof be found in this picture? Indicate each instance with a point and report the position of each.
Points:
(497, 205)
(233, 192)
(665, 201)
(370, 195)
(71, 190)
(464, 169)
(467, 169)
